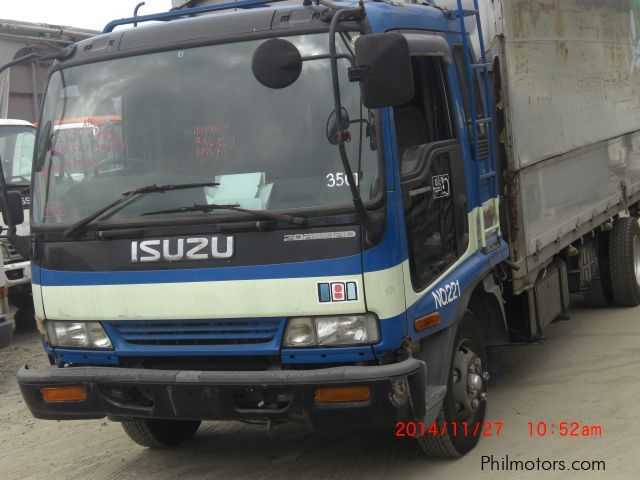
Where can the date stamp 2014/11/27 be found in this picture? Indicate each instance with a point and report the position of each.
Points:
(454, 429)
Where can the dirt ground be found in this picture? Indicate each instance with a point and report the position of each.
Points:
(588, 371)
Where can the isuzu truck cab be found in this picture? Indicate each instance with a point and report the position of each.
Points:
(327, 213)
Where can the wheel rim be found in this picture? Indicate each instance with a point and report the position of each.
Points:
(636, 258)
(467, 382)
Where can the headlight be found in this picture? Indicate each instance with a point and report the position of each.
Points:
(340, 330)
(78, 335)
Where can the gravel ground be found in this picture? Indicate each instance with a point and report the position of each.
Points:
(586, 372)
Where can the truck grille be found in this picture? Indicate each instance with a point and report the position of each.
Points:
(207, 332)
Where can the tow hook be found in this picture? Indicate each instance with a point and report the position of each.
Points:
(399, 391)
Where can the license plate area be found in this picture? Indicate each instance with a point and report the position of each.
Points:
(197, 401)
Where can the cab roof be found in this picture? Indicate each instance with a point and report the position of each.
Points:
(277, 18)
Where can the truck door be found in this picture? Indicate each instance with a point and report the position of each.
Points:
(432, 178)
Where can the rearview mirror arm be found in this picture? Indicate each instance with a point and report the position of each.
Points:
(373, 226)
(4, 197)
(323, 56)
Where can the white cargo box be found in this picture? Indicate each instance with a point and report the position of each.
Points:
(569, 72)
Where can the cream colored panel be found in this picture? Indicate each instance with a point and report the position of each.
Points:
(196, 300)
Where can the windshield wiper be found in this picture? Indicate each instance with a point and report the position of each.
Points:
(211, 207)
(83, 222)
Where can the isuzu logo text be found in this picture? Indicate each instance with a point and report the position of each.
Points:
(175, 249)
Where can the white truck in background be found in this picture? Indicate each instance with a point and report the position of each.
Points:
(17, 139)
(6, 325)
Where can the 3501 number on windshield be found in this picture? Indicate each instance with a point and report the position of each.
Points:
(339, 179)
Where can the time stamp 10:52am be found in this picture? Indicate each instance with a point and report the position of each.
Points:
(564, 429)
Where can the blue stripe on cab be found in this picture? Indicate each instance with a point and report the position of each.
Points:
(334, 267)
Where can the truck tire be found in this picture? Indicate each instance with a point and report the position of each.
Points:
(624, 261)
(599, 294)
(464, 402)
(156, 433)
(6, 332)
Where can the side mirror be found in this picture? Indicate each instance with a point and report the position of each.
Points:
(333, 125)
(383, 68)
(13, 214)
(276, 63)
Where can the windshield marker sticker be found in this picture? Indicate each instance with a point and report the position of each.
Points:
(441, 186)
(299, 237)
(332, 292)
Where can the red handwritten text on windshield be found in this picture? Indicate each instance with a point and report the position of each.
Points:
(211, 140)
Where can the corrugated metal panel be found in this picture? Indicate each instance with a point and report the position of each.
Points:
(560, 195)
(572, 77)
(573, 70)
(573, 105)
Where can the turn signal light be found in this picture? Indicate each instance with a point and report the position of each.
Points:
(341, 394)
(427, 321)
(64, 394)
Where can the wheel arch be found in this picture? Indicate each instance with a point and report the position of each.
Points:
(487, 305)
(484, 300)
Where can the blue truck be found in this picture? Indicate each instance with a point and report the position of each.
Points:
(328, 213)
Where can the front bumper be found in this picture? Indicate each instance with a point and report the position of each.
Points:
(397, 393)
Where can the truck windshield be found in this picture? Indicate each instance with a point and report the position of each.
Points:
(197, 115)
(16, 151)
